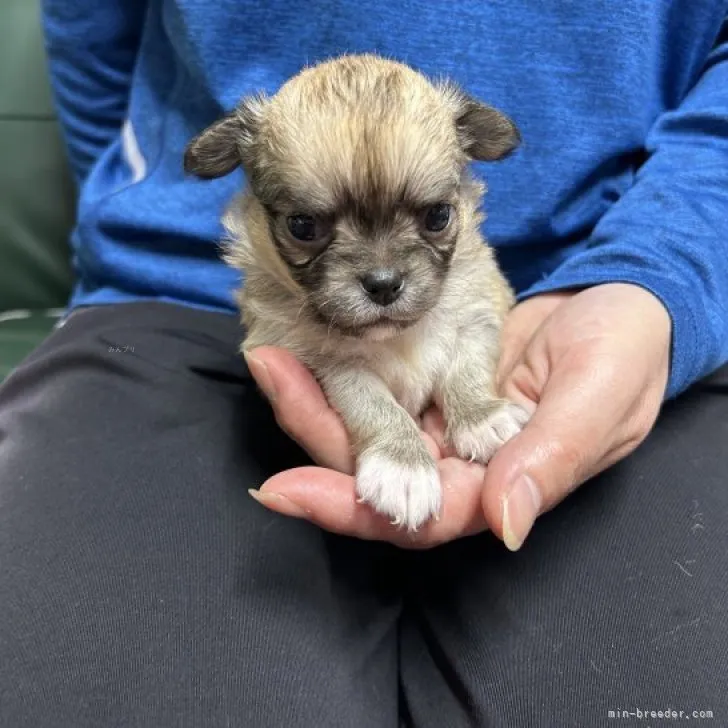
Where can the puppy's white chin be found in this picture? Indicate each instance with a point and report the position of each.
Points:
(381, 332)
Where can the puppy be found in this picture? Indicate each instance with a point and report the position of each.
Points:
(359, 237)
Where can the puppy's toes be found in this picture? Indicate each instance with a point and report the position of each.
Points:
(480, 441)
(409, 494)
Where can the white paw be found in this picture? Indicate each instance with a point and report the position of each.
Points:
(408, 494)
(481, 441)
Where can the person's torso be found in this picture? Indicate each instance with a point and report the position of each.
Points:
(584, 81)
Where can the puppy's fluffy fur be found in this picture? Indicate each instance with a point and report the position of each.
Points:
(353, 166)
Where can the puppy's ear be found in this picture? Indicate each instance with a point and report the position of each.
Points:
(227, 143)
(486, 134)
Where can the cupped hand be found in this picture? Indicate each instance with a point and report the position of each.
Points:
(594, 364)
(325, 494)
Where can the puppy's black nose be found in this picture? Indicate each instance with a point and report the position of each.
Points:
(383, 286)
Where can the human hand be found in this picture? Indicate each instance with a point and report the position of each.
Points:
(594, 364)
(325, 494)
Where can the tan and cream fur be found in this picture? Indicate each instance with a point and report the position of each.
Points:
(359, 238)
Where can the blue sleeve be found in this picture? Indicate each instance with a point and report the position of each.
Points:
(669, 232)
(92, 47)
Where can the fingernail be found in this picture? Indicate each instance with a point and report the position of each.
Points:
(278, 503)
(521, 507)
(261, 375)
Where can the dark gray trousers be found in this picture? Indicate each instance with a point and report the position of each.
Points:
(141, 587)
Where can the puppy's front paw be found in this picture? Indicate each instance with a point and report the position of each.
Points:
(500, 421)
(407, 490)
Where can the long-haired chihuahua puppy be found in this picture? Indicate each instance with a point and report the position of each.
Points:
(359, 238)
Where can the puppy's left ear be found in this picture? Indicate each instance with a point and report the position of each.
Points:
(485, 134)
(227, 143)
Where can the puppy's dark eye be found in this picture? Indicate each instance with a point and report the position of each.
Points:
(303, 227)
(308, 233)
(437, 218)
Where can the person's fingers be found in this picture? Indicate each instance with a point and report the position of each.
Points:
(328, 499)
(433, 424)
(300, 407)
(324, 497)
(598, 385)
(578, 422)
(520, 326)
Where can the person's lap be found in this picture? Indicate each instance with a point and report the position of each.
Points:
(617, 602)
(141, 585)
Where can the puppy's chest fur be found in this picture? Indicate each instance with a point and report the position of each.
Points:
(412, 364)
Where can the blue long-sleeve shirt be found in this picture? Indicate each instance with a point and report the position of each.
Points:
(623, 108)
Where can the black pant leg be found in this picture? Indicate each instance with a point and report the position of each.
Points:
(140, 585)
(618, 601)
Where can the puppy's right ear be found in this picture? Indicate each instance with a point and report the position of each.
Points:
(227, 143)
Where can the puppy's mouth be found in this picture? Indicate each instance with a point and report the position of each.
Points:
(379, 330)
(383, 331)
(382, 327)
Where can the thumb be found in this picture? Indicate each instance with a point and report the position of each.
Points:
(562, 445)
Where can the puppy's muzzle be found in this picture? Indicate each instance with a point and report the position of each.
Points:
(383, 285)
